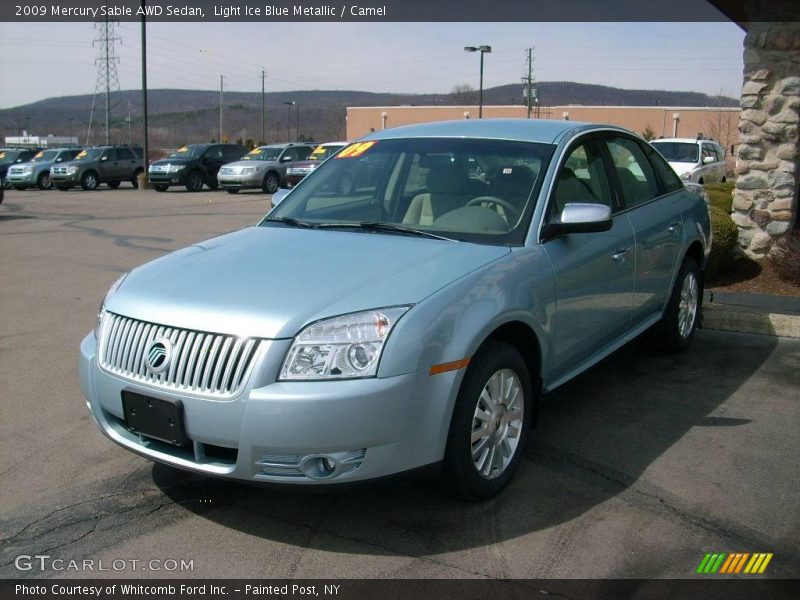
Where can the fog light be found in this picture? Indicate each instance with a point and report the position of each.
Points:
(328, 465)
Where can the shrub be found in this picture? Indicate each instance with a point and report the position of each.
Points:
(785, 256)
(724, 236)
(720, 195)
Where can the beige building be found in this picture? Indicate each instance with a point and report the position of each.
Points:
(671, 121)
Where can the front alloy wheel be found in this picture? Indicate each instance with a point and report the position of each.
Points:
(490, 420)
(497, 424)
(43, 182)
(271, 183)
(194, 182)
(89, 182)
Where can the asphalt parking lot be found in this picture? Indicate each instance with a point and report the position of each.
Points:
(636, 470)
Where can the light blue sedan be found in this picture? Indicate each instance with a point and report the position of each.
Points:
(412, 319)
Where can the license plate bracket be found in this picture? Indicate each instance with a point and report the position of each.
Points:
(155, 418)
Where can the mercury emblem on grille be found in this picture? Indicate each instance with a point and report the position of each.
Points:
(158, 355)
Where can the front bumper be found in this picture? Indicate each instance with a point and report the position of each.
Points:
(178, 178)
(26, 179)
(241, 182)
(65, 179)
(277, 431)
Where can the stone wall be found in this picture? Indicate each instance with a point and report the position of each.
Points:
(767, 172)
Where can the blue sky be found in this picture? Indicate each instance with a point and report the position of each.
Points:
(39, 60)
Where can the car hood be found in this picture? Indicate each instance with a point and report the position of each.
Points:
(682, 167)
(172, 161)
(250, 163)
(269, 282)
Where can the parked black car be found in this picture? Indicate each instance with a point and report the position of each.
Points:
(193, 166)
(13, 156)
(103, 164)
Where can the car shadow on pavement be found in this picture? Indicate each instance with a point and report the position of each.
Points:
(595, 437)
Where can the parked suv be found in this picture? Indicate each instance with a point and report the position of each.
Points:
(103, 164)
(193, 166)
(699, 160)
(264, 167)
(37, 170)
(13, 156)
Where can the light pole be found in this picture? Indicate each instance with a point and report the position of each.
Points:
(483, 50)
(70, 120)
(289, 121)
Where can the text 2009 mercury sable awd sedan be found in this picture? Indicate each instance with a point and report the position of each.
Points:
(415, 321)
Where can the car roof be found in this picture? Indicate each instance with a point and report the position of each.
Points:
(682, 140)
(544, 131)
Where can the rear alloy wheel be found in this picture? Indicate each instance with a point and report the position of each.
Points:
(43, 181)
(194, 182)
(675, 330)
(160, 187)
(491, 418)
(89, 181)
(113, 184)
(271, 183)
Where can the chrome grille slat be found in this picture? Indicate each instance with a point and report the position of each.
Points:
(200, 362)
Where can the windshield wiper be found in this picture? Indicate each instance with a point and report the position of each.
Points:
(381, 226)
(290, 221)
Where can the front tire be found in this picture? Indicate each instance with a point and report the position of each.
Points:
(194, 182)
(271, 183)
(676, 329)
(89, 181)
(43, 181)
(490, 421)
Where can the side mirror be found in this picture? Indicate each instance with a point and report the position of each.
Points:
(286, 158)
(103, 158)
(708, 160)
(581, 217)
(59, 159)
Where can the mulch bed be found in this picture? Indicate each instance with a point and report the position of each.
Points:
(747, 276)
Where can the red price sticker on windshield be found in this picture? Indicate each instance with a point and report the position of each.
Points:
(356, 149)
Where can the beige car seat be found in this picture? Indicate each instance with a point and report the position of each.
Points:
(446, 192)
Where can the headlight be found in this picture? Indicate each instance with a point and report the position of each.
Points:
(247, 171)
(344, 347)
(27, 170)
(102, 312)
(686, 176)
(175, 168)
(73, 169)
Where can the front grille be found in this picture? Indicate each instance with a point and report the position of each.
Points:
(60, 170)
(159, 168)
(16, 171)
(199, 362)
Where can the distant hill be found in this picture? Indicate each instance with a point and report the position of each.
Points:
(180, 116)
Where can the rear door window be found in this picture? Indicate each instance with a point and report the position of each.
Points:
(637, 179)
(124, 154)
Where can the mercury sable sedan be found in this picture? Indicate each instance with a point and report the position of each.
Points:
(415, 321)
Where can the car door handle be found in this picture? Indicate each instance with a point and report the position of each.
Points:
(674, 227)
(619, 255)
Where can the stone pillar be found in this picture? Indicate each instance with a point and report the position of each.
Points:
(767, 172)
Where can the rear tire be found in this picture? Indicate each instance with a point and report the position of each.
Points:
(676, 329)
(43, 181)
(135, 178)
(490, 420)
(194, 182)
(89, 181)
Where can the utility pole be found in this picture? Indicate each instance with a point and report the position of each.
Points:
(529, 91)
(144, 94)
(221, 78)
(263, 77)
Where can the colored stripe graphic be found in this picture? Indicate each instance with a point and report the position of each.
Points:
(734, 563)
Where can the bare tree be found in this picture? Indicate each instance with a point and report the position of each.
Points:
(463, 93)
(721, 126)
(648, 133)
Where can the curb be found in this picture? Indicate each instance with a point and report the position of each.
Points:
(725, 317)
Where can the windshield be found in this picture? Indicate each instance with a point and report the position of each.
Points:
(188, 152)
(263, 153)
(48, 156)
(465, 189)
(677, 151)
(9, 155)
(320, 153)
(90, 154)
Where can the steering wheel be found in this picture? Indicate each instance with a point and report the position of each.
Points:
(512, 210)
